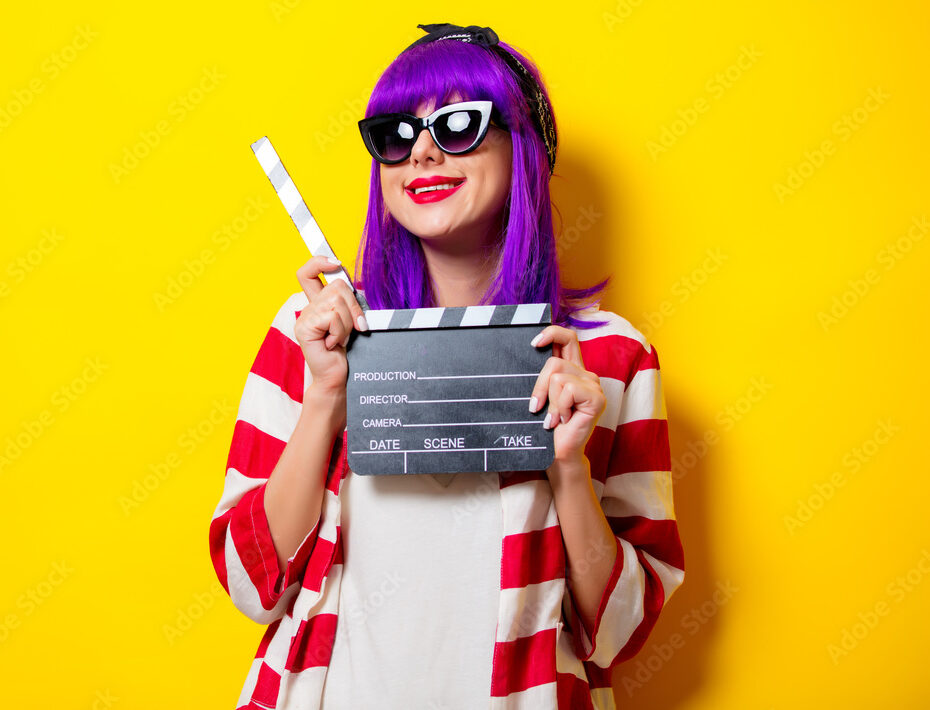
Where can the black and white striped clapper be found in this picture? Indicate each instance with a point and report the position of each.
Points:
(447, 390)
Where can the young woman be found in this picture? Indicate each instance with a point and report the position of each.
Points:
(490, 589)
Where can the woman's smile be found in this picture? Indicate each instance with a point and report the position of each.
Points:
(433, 189)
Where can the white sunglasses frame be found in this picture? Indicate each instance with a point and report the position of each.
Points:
(486, 108)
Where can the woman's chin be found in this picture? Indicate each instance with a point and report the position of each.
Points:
(432, 230)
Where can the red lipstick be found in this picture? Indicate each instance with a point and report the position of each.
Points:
(451, 184)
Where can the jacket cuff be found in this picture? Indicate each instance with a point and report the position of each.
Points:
(277, 580)
(585, 643)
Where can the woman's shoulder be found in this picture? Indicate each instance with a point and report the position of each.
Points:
(615, 348)
(287, 314)
(611, 324)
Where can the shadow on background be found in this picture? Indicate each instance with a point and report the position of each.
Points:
(580, 214)
(670, 667)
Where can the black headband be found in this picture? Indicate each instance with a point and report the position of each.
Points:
(532, 92)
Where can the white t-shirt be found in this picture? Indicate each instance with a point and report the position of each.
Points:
(418, 601)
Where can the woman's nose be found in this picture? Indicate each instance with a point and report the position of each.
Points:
(425, 148)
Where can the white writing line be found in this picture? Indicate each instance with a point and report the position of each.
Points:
(486, 399)
(472, 377)
(534, 421)
(442, 451)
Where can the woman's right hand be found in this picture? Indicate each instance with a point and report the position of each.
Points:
(325, 324)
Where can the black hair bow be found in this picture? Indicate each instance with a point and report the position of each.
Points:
(484, 36)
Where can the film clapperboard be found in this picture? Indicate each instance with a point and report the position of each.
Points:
(434, 390)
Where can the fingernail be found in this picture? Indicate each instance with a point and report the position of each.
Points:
(361, 322)
(563, 418)
(547, 420)
(535, 340)
(534, 404)
(333, 260)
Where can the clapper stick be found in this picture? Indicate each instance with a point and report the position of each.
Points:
(298, 211)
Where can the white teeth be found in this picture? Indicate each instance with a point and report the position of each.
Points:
(447, 186)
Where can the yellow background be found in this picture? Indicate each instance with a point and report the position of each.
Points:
(781, 279)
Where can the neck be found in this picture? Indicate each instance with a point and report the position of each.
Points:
(459, 277)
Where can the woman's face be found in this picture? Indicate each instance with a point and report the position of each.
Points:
(467, 217)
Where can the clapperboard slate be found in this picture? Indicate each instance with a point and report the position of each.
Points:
(447, 390)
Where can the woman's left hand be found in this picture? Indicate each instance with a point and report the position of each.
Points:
(574, 395)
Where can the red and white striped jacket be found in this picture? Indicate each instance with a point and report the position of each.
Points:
(543, 656)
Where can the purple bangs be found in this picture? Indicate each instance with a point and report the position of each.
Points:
(393, 271)
(437, 71)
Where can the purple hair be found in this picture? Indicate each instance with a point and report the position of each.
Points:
(393, 269)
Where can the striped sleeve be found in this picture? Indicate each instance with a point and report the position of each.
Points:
(637, 501)
(241, 546)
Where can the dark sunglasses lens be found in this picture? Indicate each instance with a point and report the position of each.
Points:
(458, 131)
(392, 139)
